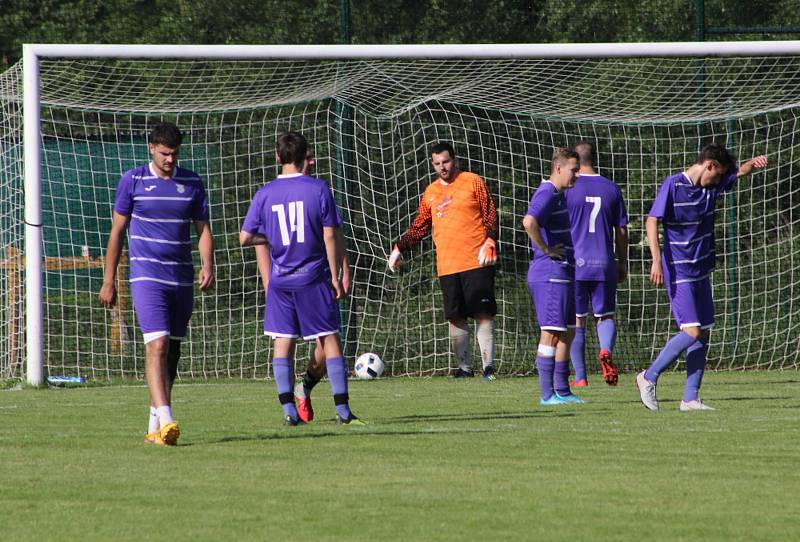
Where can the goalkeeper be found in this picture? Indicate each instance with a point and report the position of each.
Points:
(461, 212)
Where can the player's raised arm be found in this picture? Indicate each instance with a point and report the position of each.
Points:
(757, 162)
(205, 245)
(108, 292)
(656, 272)
(417, 231)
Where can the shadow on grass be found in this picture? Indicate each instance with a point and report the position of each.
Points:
(384, 428)
(475, 417)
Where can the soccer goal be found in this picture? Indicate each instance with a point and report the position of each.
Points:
(74, 117)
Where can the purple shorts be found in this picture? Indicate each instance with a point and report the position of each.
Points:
(161, 309)
(554, 303)
(309, 313)
(603, 294)
(692, 303)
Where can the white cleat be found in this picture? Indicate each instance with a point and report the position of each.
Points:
(647, 392)
(697, 404)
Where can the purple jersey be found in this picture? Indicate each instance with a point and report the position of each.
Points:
(161, 213)
(595, 208)
(291, 212)
(687, 212)
(549, 207)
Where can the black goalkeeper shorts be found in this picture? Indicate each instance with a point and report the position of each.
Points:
(469, 293)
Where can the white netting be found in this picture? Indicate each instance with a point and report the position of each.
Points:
(371, 124)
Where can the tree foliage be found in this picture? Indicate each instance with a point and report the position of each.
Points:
(376, 21)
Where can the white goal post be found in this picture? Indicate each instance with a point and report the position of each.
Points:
(573, 55)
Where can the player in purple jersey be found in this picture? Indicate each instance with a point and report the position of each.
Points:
(685, 206)
(315, 370)
(598, 221)
(551, 275)
(156, 204)
(296, 217)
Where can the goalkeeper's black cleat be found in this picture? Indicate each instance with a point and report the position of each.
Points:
(488, 374)
(461, 373)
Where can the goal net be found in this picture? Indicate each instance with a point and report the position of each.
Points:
(370, 123)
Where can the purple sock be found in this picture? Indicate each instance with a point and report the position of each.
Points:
(545, 367)
(668, 355)
(561, 378)
(576, 353)
(337, 374)
(284, 378)
(695, 367)
(607, 334)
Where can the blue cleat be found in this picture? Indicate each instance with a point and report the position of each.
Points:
(552, 400)
(570, 399)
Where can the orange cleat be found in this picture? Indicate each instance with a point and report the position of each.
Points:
(610, 374)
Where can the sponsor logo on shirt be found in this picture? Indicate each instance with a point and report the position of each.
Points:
(149, 188)
(580, 262)
(440, 209)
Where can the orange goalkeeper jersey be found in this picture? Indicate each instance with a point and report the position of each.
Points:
(462, 215)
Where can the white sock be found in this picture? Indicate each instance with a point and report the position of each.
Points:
(485, 332)
(459, 338)
(153, 426)
(164, 414)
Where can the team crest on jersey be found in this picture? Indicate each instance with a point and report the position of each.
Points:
(181, 188)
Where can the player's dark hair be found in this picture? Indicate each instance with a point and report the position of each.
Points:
(718, 153)
(292, 148)
(167, 134)
(443, 146)
(561, 155)
(587, 152)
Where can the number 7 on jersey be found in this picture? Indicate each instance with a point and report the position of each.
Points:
(596, 202)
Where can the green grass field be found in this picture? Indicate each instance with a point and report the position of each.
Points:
(440, 460)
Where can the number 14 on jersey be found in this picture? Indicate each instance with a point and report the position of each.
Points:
(294, 221)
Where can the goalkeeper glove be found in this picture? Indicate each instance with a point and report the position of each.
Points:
(487, 255)
(394, 258)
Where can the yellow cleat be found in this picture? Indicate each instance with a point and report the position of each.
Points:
(153, 438)
(169, 434)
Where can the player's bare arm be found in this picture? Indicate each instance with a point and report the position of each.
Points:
(621, 242)
(263, 261)
(332, 249)
(656, 272)
(345, 261)
(757, 162)
(108, 292)
(533, 229)
(205, 245)
(247, 239)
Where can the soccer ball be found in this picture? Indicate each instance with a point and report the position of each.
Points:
(369, 366)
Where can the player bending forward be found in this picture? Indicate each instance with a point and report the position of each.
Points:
(296, 217)
(159, 201)
(461, 212)
(685, 206)
(551, 277)
(598, 221)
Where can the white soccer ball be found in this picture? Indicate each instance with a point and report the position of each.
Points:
(369, 366)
